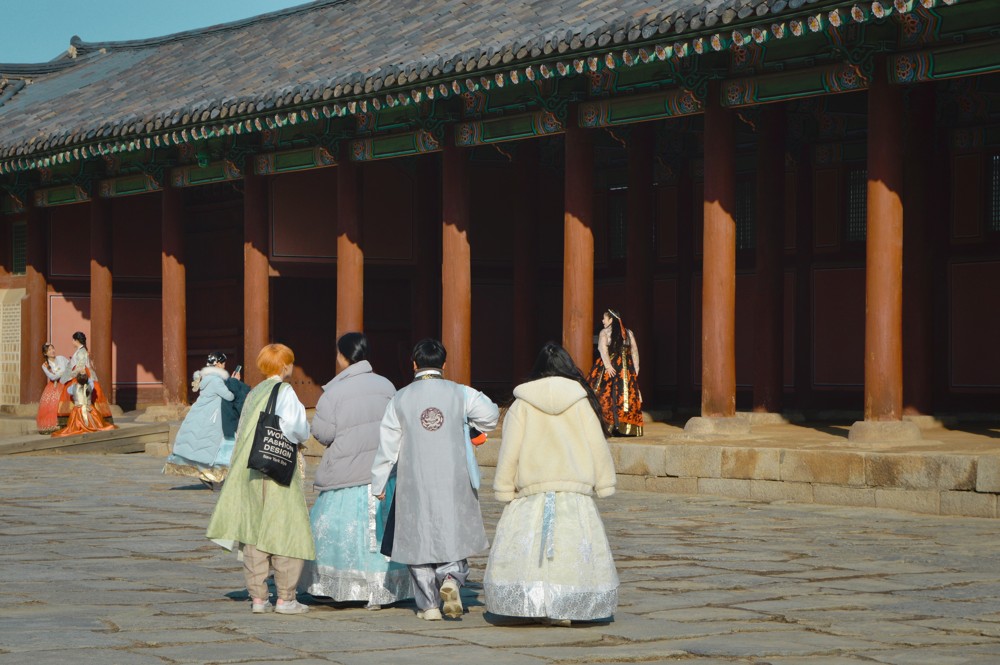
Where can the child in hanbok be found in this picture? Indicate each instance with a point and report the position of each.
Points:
(83, 418)
(550, 559)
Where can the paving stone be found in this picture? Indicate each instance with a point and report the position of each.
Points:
(693, 461)
(916, 501)
(950, 472)
(829, 467)
(737, 489)
(844, 496)
(973, 504)
(751, 463)
(988, 473)
(770, 490)
(723, 580)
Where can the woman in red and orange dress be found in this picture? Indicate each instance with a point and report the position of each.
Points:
(48, 404)
(84, 418)
(80, 364)
(614, 377)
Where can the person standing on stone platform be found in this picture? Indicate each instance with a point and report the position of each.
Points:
(551, 560)
(438, 520)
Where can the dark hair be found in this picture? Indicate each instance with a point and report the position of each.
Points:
(554, 360)
(215, 357)
(82, 379)
(429, 353)
(353, 346)
(46, 347)
(80, 337)
(619, 334)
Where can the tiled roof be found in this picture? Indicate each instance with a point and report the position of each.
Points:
(327, 50)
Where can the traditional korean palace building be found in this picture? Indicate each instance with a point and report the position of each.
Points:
(794, 203)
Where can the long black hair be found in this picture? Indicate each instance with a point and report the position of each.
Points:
(353, 346)
(80, 337)
(554, 360)
(619, 334)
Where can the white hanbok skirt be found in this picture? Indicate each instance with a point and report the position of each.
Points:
(551, 558)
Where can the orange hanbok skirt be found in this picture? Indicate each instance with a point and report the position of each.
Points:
(48, 408)
(98, 400)
(84, 420)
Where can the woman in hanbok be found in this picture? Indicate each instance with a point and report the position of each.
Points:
(550, 559)
(615, 377)
(266, 522)
(79, 363)
(83, 418)
(48, 405)
(347, 521)
(203, 447)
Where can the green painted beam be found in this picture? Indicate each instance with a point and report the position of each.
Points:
(58, 196)
(293, 160)
(128, 186)
(828, 80)
(508, 128)
(945, 63)
(394, 145)
(626, 110)
(191, 176)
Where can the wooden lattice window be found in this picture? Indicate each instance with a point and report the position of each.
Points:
(857, 205)
(19, 248)
(746, 227)
(994, 220)
(617, 222)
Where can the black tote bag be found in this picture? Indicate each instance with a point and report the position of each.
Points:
(272, 453)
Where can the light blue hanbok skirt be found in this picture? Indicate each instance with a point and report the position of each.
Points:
(348, 525)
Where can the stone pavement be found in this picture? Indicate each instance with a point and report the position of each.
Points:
(104, 561)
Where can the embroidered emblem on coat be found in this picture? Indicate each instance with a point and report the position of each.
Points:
(431, 419)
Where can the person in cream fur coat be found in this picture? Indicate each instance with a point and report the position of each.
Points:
(551, 560)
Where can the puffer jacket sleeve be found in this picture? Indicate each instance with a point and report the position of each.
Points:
(213, 385)
(505, 477)
(324, 422)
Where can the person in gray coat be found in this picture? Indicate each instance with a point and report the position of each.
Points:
(438, 522)
(347, 521)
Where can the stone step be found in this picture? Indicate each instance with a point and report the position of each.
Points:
(129, 438)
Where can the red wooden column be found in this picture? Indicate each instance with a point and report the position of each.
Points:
(256, 268)
(884, 268)
(456, 264)
(718, 320)
(350, 255)
(769, 283)
(101, 291)
(174, 301)
(525, 317)
(34, 306)
(578, 248)
(639, 248)
(918, 192)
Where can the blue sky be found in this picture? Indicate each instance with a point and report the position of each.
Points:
(39, 30)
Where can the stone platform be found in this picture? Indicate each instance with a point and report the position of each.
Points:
(952, 470)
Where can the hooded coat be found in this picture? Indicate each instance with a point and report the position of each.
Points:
(553, 442)
(200, 435)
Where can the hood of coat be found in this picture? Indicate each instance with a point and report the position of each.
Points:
(552, 394)
(360, 367)
(211, 370)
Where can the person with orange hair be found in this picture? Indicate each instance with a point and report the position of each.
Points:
(266, 522)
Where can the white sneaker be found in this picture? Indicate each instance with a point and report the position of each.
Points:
(261, 608)
(452, 598)
(291, 607)
(433, 614)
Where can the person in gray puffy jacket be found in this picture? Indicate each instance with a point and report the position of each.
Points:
(347, 521)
